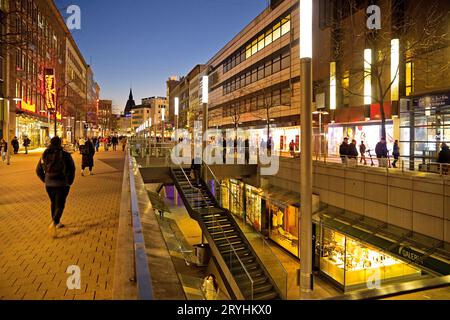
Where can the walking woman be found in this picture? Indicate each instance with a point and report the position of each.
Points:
(88, 152)
(396, 154)
(57, 170)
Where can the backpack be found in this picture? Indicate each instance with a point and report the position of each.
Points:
(53, 166)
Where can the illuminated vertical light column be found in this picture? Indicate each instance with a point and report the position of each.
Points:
(367, 76)
(205, 101)
(305, 231)
(395, 69)
(177, 111)
(333, 86)
(163, 124)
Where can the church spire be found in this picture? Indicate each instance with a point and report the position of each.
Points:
(130, 104)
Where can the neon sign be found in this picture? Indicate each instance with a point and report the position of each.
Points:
(27, 106)
(50, 90)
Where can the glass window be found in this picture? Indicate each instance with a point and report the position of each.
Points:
(286, 25)
(254, 47)
(248, 78)
(285, 61)
(268, 69)
(276, 31)
(276, 98)
(261, 43)
(243, 82)
(254, 75)
(276, 65)
(260, 102)
(260, 72)
(268, 39)
(248, 51)
(253, 104)
(409, 78)
(286, 97)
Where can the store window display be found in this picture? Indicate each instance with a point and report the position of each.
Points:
(253, 207)
(284, 227)
(352, 264)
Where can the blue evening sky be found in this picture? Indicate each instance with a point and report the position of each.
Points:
(143, 42)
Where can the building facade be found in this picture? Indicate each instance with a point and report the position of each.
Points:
(104, 117)
(37, 48)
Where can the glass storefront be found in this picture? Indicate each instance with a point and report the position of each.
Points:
(32, 128)
(424, 126)
(284, 227)
(253, 207)
(353, 265)
(232, 192)
(369, 133)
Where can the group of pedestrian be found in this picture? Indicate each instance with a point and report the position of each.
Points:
(349, 152)
(4, 146)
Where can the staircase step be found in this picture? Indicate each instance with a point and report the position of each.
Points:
(218, 231)
(254, 274)
(249, 266)
(269, 295)
(256, 280)
(226, 242)
(228, 249)
(225, 235)
(259, 289)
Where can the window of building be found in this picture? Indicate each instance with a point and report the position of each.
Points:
(268, 69)
(286, 96)
(346, 88)
(254, 75)
(276, 97)
(268, 39)
(285, 60)
(1, 69)
(276, 64)
(409, 77)
(254, 47)
(261, 72)
(277, 31)
(285, 25)
(261, 42)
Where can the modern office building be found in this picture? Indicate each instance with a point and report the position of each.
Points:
(104, 117)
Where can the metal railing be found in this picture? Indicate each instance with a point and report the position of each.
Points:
(233, 259)
(270, 260)
(142, 273)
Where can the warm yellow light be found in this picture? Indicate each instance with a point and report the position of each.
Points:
(333, 86)
(368, 76)
(395, 63)
(306, 14)
(177, 105)
(205, 89)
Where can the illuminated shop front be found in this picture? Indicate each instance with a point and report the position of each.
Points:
(424, 126)
(253, 207)
(353, 265)
(284, 228)
(35, 129)
(370, 133)
(281, 137)
(232, 196)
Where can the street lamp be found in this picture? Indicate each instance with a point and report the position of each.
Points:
(7, 136)
(306, 276)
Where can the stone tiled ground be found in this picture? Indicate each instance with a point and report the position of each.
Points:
(32, 265)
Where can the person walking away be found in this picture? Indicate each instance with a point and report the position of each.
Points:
(15, 145)
(56, 169)
(224, 146)
(353, 153)
(396, 154)
(87, 161)
(444, 158)
(343, 150)
(247, 150)
(269, 146)
(124, 144)
(292, 148)
(3, 149)
(382, 153)
(114, 142)
(26, 144)
(362, 152)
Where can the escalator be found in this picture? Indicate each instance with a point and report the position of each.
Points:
(245, 272)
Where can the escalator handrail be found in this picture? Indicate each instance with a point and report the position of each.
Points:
(237, 201)
(222, 231)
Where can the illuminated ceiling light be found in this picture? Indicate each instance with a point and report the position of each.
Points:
(306, 13)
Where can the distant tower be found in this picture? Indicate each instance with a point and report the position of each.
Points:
(130, 104)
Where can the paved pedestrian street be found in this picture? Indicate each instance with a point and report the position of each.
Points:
(32, 265)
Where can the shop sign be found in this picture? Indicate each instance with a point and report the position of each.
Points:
(50, 89)
(429, 262)
(27, 106)
(433, 101)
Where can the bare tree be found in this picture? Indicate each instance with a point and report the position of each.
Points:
(417, 38)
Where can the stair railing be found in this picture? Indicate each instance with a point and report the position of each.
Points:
(270, 260)
(234, 257)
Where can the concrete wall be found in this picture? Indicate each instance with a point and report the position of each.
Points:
(414, 201)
